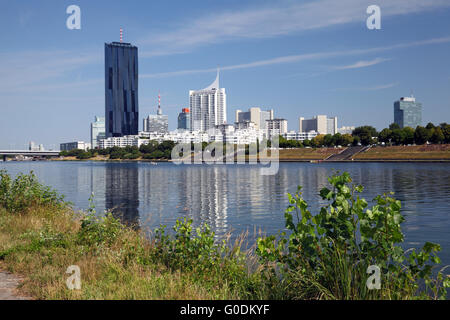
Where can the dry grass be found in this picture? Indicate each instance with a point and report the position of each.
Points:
(106, 271)
(307, 153)
(424, 152)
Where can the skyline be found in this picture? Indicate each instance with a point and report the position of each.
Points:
(298, 58)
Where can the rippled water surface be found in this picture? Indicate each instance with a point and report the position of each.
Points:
(237, 198)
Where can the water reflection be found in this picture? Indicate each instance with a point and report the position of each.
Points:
(122, 192)
(238, 198)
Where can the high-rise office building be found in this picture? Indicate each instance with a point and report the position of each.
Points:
(321, 124)
(184, 119)
(97, 131)
(408, 112)
(208, 107)
(256, 116)
(121, 89)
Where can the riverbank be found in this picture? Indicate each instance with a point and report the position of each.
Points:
(41, 236)
(422, 153)
(116, 262)
(434, 152)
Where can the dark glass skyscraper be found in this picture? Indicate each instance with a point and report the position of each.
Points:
(121, 89)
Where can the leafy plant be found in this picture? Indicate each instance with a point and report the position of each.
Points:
(327, 255)
(25, 191)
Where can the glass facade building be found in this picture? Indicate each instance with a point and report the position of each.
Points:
(121, 89)
(97, 131)
(184, 119)
(408, 112)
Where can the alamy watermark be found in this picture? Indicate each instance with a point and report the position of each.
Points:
(374, 20)
(74, 20)
(74, 281)
(264, 153)
(374, 280)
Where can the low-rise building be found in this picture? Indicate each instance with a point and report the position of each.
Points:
(75, 145)
(299, 136)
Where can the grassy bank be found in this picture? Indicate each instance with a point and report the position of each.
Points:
(423, 152)
(321, 257)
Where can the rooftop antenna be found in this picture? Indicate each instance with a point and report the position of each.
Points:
(159, 103)
(121, 35)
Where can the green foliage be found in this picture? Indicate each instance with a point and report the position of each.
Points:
(437, 136)
(365, 134)
(25, 191)
(198, 252)
(99, 230)
(327, 255)
(421, 135)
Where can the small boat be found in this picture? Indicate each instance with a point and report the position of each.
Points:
(153, 163)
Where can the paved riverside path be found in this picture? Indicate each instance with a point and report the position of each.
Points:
(8, 285)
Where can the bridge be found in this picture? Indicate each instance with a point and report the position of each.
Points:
(29, 153)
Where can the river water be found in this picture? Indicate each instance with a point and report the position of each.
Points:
(238, 198)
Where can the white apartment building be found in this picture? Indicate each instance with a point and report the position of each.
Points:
(75, 145)
(321, 124)
(346, 130)
(121, 142)
(276, 127)
(208, 107)
(256, 116)
(299, 136)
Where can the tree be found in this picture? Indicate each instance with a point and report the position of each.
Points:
(365, 134)
(347, 139)
(328, 140)
(421, 135)
(385, 135)
(437, 136)
(398, 136)
(446, 132)
(337, 139)
(393, 126)
(317, 141)
(408, 135)
(430, 126)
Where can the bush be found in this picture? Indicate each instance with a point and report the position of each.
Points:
(25, 191)
(211, 262)
(328, 255)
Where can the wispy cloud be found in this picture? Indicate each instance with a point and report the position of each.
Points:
(26, 70)
(371, 88)
(361, 64)
(271, 21)
(308, 56)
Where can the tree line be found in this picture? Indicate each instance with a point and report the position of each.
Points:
(150, 151)
(367, 135)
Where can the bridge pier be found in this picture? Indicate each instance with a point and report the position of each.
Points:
(4, 157)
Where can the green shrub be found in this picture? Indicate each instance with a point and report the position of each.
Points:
(99, 230)
(210, 261)
(327, 255)
(25, 191)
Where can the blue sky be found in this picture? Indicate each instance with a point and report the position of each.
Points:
(301, 58)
